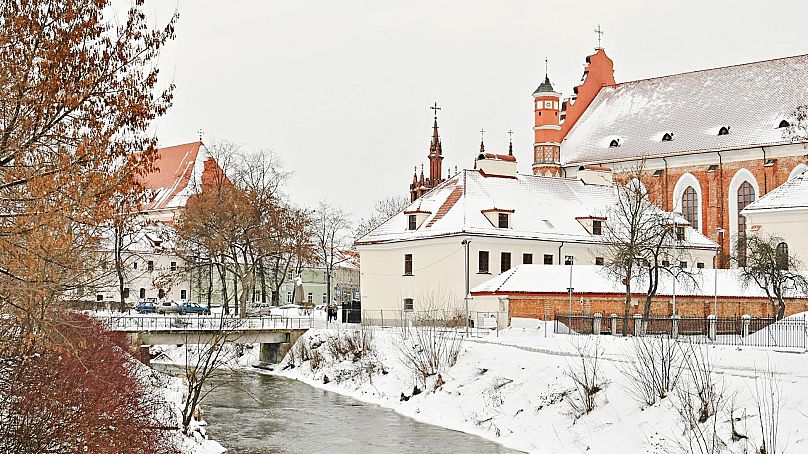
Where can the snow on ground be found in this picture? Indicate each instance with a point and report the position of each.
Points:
(171, 390)
(510, 388)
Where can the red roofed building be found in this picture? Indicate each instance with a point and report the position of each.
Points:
(713, 140)
(180, 172)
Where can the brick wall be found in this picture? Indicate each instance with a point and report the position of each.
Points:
(715, 188)
(536, 306)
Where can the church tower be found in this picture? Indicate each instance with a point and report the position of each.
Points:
(422, 185)
(547, 130)
(435, 154)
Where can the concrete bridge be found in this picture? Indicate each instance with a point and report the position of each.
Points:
(275, 334)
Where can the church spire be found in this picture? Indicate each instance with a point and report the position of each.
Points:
(435, 151)
(510, 142)
(482, 140)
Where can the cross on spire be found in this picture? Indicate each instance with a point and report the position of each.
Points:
(436, 109)
(546, 66)
(600, 33)
(482, 134)
(200, 132)
(510, 142)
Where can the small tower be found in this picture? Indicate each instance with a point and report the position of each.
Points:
(547, 131)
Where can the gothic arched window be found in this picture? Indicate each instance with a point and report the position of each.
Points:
(746, 195)
(690, 207)
(781, 255)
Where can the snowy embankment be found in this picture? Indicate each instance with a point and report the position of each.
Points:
(172, 390)
(516, 389)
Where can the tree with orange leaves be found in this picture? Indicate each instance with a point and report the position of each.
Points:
(78, 93)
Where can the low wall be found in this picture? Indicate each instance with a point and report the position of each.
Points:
(546, 306)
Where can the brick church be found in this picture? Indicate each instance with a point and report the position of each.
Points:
(711, 141)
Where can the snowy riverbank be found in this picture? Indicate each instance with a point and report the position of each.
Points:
(172, 390)
(514, 389)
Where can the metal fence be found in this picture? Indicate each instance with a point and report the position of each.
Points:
(479, 323)
(750, 331)
(200, 322)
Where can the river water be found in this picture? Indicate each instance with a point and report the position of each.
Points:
(256, 413)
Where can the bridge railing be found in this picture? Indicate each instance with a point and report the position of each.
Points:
(200, 323)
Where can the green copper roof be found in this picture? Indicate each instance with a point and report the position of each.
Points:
(545, 86)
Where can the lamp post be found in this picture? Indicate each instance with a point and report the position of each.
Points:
(569, 289)
(465, 244)
(719, 232)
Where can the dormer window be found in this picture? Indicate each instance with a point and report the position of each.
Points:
(723, 131)
(415, 218)
(614, 143)
(667, 137)
(412, 222)
(783, 124)
(592, 224)
(503, 220)
(498, 217)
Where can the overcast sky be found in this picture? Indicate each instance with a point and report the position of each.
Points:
(341, 90)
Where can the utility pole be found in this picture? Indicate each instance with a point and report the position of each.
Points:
(569, 321)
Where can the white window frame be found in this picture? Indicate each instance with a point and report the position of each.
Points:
(738, 179)
(685, 181)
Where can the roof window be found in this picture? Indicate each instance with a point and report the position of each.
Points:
(712, 168)
(614, 143)
(783, 124)
(667, 137)
(658, 172)
(723, 131)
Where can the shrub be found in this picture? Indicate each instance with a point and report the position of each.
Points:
(429, 351)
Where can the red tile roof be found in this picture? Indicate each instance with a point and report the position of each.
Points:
(170, 183)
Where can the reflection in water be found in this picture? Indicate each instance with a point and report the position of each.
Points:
(265, 414)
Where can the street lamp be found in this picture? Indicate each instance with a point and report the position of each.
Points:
(569, 289)
(719, 232)
(465, 244)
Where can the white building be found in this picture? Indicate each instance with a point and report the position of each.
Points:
(416, 259)
(783, 212)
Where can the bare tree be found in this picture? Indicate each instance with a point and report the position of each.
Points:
(587, 378)
(205, 354)
(701, 398)
(636, 235)
(382, 211)
(331, 235)
(766, 262)
(653, 368)
(768, 400)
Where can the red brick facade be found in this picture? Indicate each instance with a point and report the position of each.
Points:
(547, 305)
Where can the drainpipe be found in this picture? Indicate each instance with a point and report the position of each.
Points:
(765, 182)
(666, 184)
(720, 203)
(559, 253)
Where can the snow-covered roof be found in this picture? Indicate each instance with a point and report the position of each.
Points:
(543, 279)
(178, 175)
(749, 99)
(144, 236)
(789, 196)
(541, 208)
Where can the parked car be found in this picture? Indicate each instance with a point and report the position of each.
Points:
(259, 309)
(188, 307)
(146, 307)
(169, 307)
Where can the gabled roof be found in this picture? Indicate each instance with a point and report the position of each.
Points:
(178, 175)
(750, 99)
(544, 208)
(549, 279)
(789, 196)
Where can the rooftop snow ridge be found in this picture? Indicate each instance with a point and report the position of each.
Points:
(751, 99)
